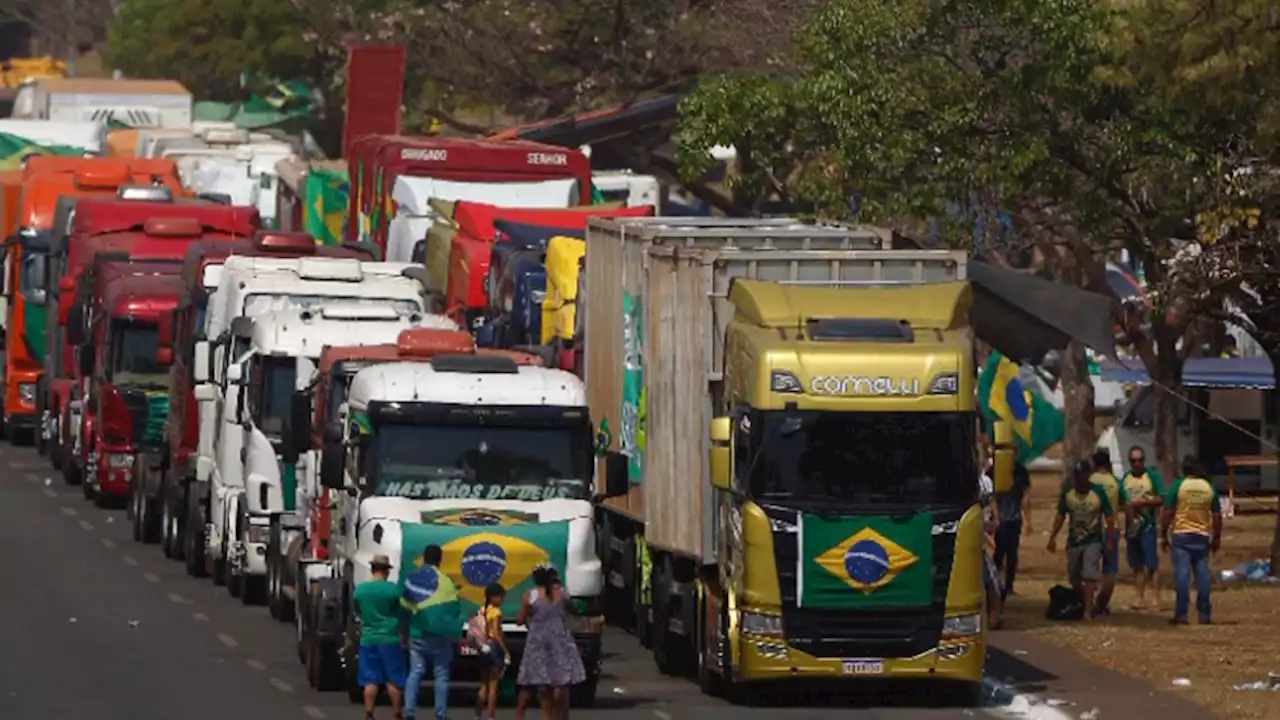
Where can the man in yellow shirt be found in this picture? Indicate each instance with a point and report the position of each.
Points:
(1119, 501)
(1090, 513)
(1194, 515)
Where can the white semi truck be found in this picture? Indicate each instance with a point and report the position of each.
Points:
(249, 287)
(282, 351)
(490, 460)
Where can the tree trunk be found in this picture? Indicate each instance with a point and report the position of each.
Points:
(1274, 355)
(1168, 380)
(1077, 406)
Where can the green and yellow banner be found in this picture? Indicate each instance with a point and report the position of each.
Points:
(476, 556)
(15, 149)
(326, 205)
(865, 561)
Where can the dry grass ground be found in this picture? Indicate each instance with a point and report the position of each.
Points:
(1242, 646)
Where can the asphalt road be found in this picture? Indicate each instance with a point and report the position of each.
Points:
(96, 627)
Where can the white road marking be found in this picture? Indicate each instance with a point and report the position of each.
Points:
(68, 510)
(128, 560)
(200, 616)
(50, 492)
(256, 664)
(312, 711)
(227, 640)
(86, 524)
(661, 715)
(152, 577)
(281, 685)
(175, 597)
(109, 543)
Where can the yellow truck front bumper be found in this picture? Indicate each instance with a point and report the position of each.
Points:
(764, 658)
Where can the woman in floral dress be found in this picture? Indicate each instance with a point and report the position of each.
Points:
(551, 661)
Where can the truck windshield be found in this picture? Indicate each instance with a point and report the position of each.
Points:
(273, 386)
(261, 303)
(430, 462)
(133, 353)
(861, 459)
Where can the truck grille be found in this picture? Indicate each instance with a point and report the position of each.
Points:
(136, 400)
(864, 633)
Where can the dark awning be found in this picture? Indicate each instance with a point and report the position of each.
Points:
(598, 125)
(1255, 373)
(1025, 317)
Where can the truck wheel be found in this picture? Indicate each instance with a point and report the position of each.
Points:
(168, 525)
(253, 589)
(151, 528)
(22, 437)
(659, 635)
(324, 665)
(70, 473)
(195, 540)
(86, 488)
(300, 615)
(280, 606)
(55, 454)
(135, 512)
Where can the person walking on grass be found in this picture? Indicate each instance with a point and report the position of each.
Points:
(1119, 502)
(1090, 513)
(1193, 514)
(1146, 493)
(434, 620)
(486, 629)
(1014, 508)
(381, 655)
(551, 661)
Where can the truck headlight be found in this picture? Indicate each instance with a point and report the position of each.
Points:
(257, 534)
(27, 393)
(119, 461)
(962, 626)
(757, 624)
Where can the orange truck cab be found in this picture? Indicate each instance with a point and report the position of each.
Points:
(314, 409)
(145, 231)
(43, 219)
(179, 333)
(115, 326)
(375, 162)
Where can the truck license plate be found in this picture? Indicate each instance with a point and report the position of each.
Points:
(863, 666)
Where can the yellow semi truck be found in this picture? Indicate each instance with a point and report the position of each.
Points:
(788, 443)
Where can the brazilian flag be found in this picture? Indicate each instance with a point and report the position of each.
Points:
(865, 561)
(326, 205)
(475, 557)
(14, 150)
(1036, 423)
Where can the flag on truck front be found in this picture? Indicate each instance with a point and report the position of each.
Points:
(14, 150)
(1036, 423)
(865, 561)
(475, 557)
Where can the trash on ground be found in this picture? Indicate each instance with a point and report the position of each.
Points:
(48, 482)
(1091, 714)
(1256, 685)
(1256, 572)
(1019, 652)
(71, 619)
(1181, 682)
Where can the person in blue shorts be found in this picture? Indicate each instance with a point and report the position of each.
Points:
(1146, 493)
(381, 661)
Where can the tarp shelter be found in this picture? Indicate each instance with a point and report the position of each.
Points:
(1254, 373)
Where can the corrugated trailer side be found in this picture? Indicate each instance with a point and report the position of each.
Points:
(615, 268)
(687, 310)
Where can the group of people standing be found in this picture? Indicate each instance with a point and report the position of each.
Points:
(426, 617)
(1186, 518)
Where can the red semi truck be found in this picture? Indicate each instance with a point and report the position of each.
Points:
(143, 230)
(375, 162)
(168, 489)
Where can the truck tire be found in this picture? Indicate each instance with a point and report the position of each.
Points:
(324, 665)
(170, 522)
(149, 510)
(42, 402)
(659, 635)
(71, 474)
(280, 607)
(135, 512)
(301, 613)
(194, 538)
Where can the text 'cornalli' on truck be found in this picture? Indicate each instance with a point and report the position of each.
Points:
(488, 458)
(787, 415)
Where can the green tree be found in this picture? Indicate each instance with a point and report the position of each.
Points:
(1097, 126)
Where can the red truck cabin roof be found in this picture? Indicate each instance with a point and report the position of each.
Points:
(96, 216)
(377, 160)
(138, 290)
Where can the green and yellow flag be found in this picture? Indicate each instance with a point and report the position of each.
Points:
(476, 556)
(326, 205)
(15, 149)
(865, 561)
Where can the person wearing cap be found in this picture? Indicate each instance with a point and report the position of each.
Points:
(381, 657)
(1118, 499)
(435, 620)
(1146, 492)
(1090, 513)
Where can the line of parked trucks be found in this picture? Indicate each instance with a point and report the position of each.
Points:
(668, 410)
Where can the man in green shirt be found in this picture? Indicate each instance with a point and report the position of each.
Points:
(1089, 511)
(381, 658)
(1146, 493)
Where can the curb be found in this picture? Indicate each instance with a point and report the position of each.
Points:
(1006, 702)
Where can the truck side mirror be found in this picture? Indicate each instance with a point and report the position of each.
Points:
(200, 362)
(332, 458)
(1002, 463)
(721, 457)
(616, 480)
(297, 436)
